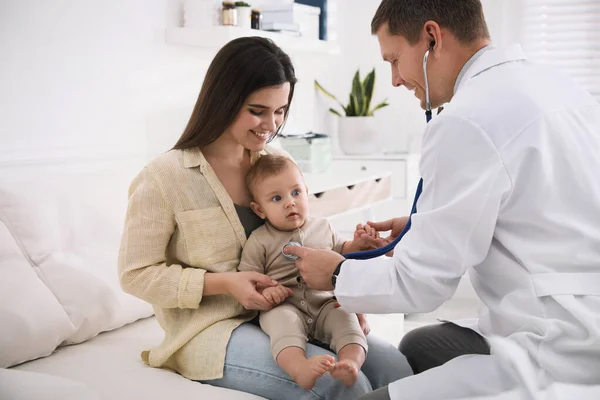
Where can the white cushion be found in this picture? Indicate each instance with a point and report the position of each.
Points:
(19, 385)
(70, 224)
(111, 366)
(32, 322)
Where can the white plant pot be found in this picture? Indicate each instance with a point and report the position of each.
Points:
(359, 135)
(244, 15)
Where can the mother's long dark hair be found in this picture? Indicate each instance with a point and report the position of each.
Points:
(240, 68)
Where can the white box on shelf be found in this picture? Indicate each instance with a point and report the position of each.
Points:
(281, 12)
(312, 152)
(306, 18)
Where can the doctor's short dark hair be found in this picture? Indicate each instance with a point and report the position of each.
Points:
(266, 166)
(240, 68)
(464, 18)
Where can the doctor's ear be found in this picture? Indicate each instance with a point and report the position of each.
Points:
(433, 34)
(258, 210)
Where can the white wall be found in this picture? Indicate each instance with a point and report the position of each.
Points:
(90, 77)
(96, 77)
(404, 120)
(360, 50)
(78, 74)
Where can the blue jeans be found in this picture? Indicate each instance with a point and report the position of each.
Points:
(249, 367)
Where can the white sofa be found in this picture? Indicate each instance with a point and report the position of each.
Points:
(67, 330)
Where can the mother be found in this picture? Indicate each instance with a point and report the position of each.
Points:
(188, 219)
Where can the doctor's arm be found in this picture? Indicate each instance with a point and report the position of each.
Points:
(464, 184)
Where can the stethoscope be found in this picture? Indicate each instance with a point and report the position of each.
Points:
(427, 99)
(368, 254)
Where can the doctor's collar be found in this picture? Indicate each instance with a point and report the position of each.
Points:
(468, 65)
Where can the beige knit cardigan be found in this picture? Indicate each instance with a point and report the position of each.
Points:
(181, 224)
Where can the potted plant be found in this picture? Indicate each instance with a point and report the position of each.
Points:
(358, 130)
(244, 14)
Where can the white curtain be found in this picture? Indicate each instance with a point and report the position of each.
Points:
(565, 34)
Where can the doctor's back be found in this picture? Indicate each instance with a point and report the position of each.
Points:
(522, 142)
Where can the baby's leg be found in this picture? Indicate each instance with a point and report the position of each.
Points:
(287, 329)
(347, 340)
(351, 358)
(304, 372)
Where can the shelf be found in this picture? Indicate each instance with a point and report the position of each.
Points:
(326, 181)
(376, 157)
(215, 37)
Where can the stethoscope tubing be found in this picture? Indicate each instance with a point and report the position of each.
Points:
(368, 254)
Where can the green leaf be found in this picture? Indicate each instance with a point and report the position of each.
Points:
(369, 87)
(355, 107)
(334, 111)
(379, 106)
(358, 95)
(359, 99)
(349, 109)
(326, 93)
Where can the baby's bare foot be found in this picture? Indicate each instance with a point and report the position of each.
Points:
(346, 371)
(313, 368)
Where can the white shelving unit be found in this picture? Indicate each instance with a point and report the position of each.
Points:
(336, 192)
(404, 177)
(338, 177)
(214, 37)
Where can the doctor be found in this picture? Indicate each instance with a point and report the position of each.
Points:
(511, 194)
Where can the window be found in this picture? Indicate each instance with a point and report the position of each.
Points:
(565, 34)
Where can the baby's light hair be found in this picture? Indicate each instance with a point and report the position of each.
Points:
(266, 166)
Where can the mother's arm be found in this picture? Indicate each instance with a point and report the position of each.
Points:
(143, 272)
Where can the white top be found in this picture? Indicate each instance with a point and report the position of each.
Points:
(511, 172)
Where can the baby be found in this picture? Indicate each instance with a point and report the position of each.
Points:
(280, 196)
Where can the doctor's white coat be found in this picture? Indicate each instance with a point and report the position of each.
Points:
(511, 172)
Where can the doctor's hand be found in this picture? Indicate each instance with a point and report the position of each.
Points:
(395, 225)
(316, 266)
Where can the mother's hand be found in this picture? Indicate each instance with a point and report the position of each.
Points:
(243, 286)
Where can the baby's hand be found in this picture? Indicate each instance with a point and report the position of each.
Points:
(362, 321)
(364, 324)
(360, 236)
(276, 294)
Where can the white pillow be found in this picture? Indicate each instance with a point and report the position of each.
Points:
(32, 321)
(70, 225)
(21, 385)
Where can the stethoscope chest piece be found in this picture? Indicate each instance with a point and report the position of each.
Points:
(290, 256)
